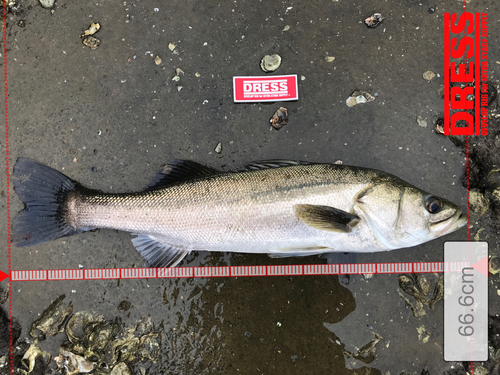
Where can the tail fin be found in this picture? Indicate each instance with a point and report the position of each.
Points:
(44, 191)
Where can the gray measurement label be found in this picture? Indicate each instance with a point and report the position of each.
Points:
(466, 301)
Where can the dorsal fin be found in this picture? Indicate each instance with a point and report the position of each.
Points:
(275, 163)
(179, 171)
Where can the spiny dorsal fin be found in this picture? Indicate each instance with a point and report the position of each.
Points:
(179, 171)
(276, 163)
(326, 218)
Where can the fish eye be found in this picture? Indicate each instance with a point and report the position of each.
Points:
(433, 204)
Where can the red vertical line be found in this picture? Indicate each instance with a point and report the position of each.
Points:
(447, 73)
(477, 83)
(468, 185)
(477, 77)
(4, 24)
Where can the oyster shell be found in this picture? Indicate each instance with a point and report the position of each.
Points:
(91, 42)
(279, 118)
(494, 265)
(374, 20)
(494, 177)
(439, 126)
(52, 318)
(120, 369)
(270, 63)
(366, 354)
(75, 328)
(32, 354)
(478, 203)
(102, 334)
(427, 289)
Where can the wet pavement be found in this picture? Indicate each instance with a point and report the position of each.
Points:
(110, 117)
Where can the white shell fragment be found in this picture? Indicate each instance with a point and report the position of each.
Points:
(270, 63)
(421, 122)
(358, 97)
(178, 73)
(329, 58)
(93, 28)
(171, 47)
(157, 60)
(374, 20)
(47, 3)
(429, 75)
(218, 148)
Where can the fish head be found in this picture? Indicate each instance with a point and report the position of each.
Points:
(401, 215)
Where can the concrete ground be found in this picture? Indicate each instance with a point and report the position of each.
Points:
(110, 117)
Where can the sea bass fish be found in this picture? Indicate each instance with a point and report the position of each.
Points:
(283, 208)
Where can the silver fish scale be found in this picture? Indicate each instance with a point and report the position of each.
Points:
(245, 212)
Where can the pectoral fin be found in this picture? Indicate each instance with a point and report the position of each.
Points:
(326, 218)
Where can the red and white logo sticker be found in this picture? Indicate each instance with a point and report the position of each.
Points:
(265, 89)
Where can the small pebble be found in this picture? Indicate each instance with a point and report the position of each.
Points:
(429, 75)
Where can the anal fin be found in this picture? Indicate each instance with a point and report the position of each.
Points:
(157, 253)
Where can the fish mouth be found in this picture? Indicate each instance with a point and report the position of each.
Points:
(451, 224)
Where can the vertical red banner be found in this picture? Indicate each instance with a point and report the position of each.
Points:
(477, 81)
(447, 73)
(465, 73)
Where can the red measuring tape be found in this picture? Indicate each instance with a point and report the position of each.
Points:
(232, 271)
